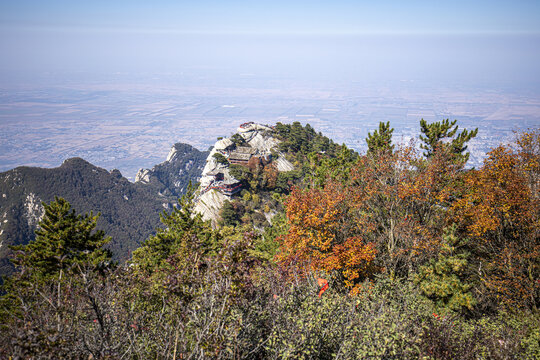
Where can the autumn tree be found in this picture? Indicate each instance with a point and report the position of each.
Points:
(270, 176)
(324, 235)
(500, 213)
(444, 134)
(528, 143)
(390, 201)
(404, 200)
(381, 139)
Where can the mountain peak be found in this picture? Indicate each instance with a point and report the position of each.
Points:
(252, 146)
(74, 162)
(169, 179)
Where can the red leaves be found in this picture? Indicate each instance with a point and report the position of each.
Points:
(323, 284)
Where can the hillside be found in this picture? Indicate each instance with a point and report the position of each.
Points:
(129, 211)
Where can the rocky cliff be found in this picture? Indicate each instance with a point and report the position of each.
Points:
(170, 178)
(252, 142)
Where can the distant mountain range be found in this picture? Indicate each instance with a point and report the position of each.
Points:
(129, 211)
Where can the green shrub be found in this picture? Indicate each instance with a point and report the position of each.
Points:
(220, 158)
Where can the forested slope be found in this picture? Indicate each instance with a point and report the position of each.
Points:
(129, 211)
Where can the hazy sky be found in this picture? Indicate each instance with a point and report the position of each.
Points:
(276, 16)
(463, 40)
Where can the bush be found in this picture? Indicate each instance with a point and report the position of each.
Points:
(221, 159)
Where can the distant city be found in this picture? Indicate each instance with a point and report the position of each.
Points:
(130, 123)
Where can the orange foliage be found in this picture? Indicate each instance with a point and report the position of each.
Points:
(387, 216)
(324, 236)
(500, 211)
(404, 197)
(498, 199)
(271, 175)
(254, 163)
(529, 144)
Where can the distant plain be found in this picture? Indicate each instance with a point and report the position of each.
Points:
(130, 123)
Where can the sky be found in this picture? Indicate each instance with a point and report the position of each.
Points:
(436, 40)
(274, 17)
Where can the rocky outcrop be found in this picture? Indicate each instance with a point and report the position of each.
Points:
(217, 184)
(143, 176)
(260, 137)
(283, 164)
(33, 210)
(169, 179)
(209, 205)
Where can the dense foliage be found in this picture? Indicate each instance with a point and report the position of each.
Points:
(423, 259)
(298, 139)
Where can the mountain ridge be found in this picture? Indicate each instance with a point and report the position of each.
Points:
(129, 210)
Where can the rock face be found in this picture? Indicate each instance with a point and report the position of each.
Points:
(143, 176)
(34, 211)
(209, 205)
(209, 197)
(170, 178)
(217, 184)
(260, 137)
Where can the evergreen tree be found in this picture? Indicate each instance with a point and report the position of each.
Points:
(172, 264)
(381, 140)
(184, 231)
(221, 159)
(436, 133)
(298, 140)
(323, 169)
(442, 280)
(63, 241)
(229, 215)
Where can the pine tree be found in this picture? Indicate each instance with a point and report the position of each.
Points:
(184, 232)
(228, 214)
(172, 263)
(381, 140)
(436, 134)
(442, 280)
(63, 241)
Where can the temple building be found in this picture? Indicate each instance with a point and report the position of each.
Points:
(241, 155)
